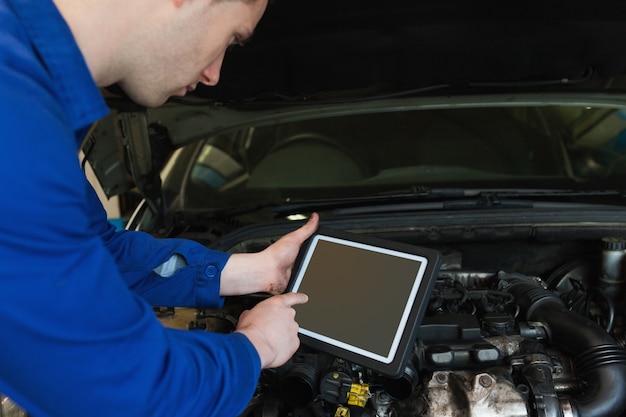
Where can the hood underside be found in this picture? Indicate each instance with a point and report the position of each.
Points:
(303, 48)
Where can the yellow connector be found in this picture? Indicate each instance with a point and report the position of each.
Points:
(342, 412)
(358, 395)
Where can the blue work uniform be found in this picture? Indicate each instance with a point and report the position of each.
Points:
(78, 336)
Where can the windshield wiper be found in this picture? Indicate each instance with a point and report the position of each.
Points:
(421, 198)
(417, 198)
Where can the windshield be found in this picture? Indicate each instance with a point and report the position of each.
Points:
(335, 156)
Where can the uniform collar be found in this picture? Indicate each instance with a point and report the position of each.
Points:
(59, 54)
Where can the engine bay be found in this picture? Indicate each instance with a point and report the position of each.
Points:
(520, 327)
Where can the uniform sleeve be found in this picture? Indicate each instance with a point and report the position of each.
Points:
(138, 254)
(75, 340)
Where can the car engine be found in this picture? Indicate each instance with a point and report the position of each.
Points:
(493, 342)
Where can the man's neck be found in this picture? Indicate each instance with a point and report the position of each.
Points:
(99, 29)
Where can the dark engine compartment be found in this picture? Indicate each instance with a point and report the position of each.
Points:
(514, 327)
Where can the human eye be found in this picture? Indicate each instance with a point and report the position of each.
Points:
(237, 40)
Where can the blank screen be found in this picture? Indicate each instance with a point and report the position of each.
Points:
(360, 296)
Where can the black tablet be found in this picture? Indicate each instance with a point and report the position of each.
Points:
(367, 297)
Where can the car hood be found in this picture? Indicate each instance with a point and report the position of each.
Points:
(303, 48)
(306, 57)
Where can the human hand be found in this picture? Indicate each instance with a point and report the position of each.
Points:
(271, 328)
(269, 270)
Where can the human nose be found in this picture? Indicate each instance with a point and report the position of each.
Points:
(211, 74)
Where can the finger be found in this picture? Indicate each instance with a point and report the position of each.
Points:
(292, 298)
(307, 229)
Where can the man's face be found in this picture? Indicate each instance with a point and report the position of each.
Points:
(190, 49)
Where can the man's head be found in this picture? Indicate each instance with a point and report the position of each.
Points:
(189, 49)
(155, 49)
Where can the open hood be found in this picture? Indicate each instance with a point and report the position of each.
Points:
(306, 55)
(304, 48)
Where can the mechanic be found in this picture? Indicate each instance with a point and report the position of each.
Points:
(78, 334)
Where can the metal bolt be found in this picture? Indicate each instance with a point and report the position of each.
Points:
(441, 378)
(484, 381)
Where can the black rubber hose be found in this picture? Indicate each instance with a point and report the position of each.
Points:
(598, 358)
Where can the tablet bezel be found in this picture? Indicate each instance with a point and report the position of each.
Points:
(394, 363)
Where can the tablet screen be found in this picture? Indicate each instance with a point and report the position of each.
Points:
(365, 297)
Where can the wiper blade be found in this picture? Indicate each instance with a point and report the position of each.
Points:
(424, 198)
(418, 198)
